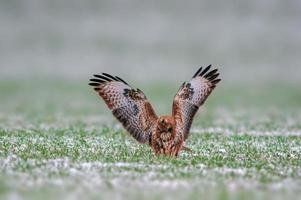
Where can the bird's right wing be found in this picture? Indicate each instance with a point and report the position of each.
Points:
(129, 106)
(191, 96)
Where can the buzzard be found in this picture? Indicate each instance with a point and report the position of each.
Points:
(165, 134)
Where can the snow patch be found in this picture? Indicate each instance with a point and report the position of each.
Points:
(226, 131)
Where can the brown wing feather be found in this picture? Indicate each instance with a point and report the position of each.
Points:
(129, 106)
(191, 96)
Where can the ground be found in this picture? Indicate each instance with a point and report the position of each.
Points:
(59, 141)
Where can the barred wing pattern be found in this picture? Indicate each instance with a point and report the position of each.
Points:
(129, 106)
(191, 96)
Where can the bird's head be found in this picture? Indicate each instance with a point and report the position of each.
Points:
(166, 124)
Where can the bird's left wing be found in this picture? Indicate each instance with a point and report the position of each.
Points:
(129, 106)
(191, 96)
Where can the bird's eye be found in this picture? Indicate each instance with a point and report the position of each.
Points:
(169, 129)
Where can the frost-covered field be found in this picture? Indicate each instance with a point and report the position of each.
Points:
(59, 141)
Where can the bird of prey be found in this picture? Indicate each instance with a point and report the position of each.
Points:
(165, 134)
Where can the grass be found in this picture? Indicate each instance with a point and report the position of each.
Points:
(57, 141)
(268, 158)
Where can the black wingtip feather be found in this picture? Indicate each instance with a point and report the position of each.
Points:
(211, 78)
(94, 84)
(205, 70)
(120, 79)
(208, 74)
(103, 78)
(110, 76)
(97, 80)
(214, 82)
(211, 73)
(197, 73)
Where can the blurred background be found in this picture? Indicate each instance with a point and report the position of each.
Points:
(50, 48)
(247, 40)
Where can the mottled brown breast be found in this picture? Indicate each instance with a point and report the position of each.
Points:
(165, 146)
(164, 139)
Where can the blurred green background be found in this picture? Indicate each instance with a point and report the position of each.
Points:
(151, 40)
(50, 48)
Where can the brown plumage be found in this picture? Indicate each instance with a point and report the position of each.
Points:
(166, 134)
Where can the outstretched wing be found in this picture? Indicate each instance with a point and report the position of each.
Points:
(191, 96)
(129, 106)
